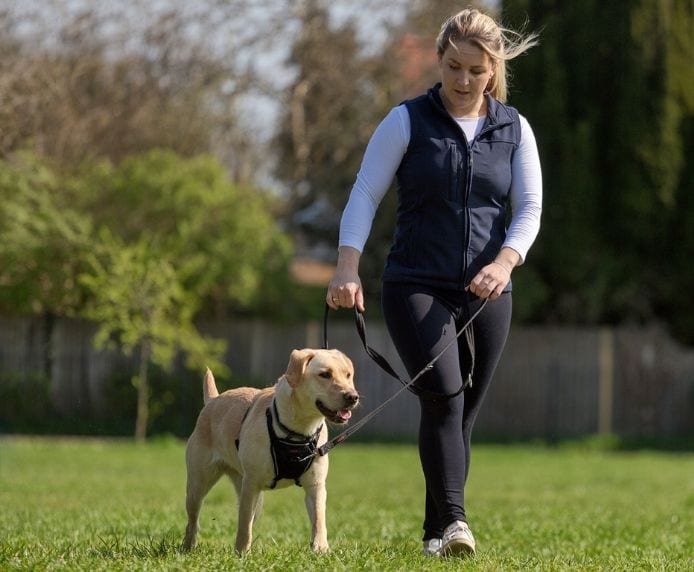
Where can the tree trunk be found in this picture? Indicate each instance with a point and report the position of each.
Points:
(143, 392)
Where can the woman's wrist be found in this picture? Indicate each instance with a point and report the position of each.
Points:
(348, 258)
(504, 266)
(507, 258)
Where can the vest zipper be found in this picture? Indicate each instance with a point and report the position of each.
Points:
(468, 188)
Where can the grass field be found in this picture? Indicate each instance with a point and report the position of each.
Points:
(110, 505)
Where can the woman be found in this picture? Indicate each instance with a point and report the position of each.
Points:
(460, 156)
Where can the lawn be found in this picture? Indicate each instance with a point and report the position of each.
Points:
(113, 505)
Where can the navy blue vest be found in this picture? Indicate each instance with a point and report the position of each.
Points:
(452, 194)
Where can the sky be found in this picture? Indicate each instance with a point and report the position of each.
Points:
(260, 110)
(231, 25)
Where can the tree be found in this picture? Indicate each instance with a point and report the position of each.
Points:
(144, 249)
(176, 236)
(221, 237)
(140, 305)
(42, 240)
(320, 138)
(609, 95)
(96, 83)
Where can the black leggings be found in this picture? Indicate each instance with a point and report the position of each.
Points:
(421, 321)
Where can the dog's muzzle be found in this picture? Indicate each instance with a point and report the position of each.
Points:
(339, 416)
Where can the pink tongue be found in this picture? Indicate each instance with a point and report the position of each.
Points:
(344, 414)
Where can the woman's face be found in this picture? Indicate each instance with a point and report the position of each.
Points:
(465, 73)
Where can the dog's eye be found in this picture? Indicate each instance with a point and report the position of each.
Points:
(325, 374)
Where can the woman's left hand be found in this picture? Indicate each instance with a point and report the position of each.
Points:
(490, 281)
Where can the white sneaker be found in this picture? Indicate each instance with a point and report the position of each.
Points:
(432, 547)
(458, 540)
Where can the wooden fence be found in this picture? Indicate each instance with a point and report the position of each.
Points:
(551, 383)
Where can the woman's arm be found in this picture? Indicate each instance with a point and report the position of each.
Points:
(379, 165)
(525, 194)
(526, 208)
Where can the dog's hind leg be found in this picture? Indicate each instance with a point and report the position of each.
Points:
(200, 480)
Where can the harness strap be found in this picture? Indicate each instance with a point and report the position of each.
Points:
(291, 434)
(290, 458)
(243, 419)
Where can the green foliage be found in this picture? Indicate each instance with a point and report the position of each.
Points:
(42, 240)
(175, 402)
(143, 248)
(220, 238)
(136, 295)
(608, 93)
(530, 508)
(17, 413)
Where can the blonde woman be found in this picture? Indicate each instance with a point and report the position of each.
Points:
(461, 156)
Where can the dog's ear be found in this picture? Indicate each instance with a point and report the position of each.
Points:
(298, 360)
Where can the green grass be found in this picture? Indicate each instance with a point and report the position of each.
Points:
(111, 505)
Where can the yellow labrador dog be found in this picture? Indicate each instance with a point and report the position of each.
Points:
(261, 439)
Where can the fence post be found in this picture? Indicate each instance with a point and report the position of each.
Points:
(605, 380)
(257, 343)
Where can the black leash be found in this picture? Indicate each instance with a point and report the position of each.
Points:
(383, 363)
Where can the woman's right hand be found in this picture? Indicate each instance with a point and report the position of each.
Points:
(344, 288)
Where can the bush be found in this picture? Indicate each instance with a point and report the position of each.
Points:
(25, 402)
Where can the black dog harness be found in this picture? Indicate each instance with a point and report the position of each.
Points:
(293, 455)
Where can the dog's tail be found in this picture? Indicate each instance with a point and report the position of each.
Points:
(209, 388)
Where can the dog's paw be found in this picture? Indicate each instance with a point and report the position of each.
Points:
(186, 546)
(320, 548)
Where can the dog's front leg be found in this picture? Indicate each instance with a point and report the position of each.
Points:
(248, 503)
(315, 499)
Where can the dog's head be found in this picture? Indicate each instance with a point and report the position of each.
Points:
(326, 379)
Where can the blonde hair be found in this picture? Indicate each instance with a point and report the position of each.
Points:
(501, 44)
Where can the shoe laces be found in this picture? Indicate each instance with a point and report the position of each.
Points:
(457, 528)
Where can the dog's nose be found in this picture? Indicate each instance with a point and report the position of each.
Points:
(350, 397)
